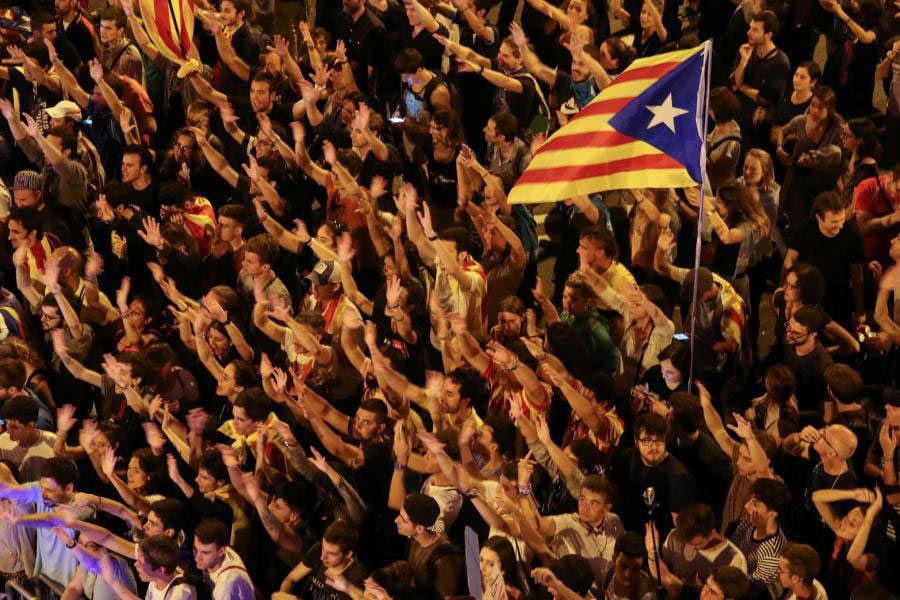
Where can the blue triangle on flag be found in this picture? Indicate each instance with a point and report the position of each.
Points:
(670, 102)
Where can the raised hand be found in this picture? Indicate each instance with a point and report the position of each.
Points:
(742, 427)
(96, 69)
(393, 290)
(65, 418)
(108, 464)
(214, 309)
(402, 447)
(151, 233)
(361, 118)
(50, 276)
(93, 267)
(87, 434)
(344, 247)
(279, 380)
(172, 468)
(155, 438)
(31, 126)
(301, 231)
(280, 48)
(265, 366)
(518, 35)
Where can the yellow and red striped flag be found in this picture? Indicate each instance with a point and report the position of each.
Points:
(645, 129)
(170, 25)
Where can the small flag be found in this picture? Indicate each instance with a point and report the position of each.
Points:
(643, 130)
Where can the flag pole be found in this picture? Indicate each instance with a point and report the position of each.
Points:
(702, 114)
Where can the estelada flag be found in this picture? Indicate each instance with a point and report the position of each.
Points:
(170, 25)
(644, 130)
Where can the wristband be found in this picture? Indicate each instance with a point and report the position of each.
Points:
(394, 307)
(432, 238)
(473, 493)
(481, 70)
(399, 466)
(524, 490)
(74, 543)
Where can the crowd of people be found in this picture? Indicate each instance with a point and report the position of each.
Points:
(271, 328)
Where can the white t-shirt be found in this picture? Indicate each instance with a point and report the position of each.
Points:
(29, 460)
(231, 581)
(181, 591)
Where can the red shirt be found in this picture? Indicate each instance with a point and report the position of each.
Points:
(871, 197)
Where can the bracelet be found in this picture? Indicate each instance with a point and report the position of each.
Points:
(74, 543)
(432, 238)
(481, 70)
(515, 366)
(473, 493)
(394, 307)
(396, 320)
(399, 466)
(524, 490)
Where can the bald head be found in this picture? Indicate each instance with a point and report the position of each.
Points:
(69, 259)
(840, 440)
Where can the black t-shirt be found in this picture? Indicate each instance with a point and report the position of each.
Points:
(313, 586)
(146, 199)
(833, 257)
(673, 483)
(810, 373)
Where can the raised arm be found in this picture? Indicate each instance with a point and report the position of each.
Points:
(137, 31)
(109, 95)
(68, 81)
(215, 160)
(714, 421)
(661, 262)
(531, 60)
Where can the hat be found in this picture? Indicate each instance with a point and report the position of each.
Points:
(422, 510)
(26, 180)
(704, 282)
(325, 271)
(65, 109)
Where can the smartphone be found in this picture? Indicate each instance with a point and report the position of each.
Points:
(397, 119)
(681, 337)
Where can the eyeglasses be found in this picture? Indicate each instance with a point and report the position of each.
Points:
(824, 438)
(651, 442)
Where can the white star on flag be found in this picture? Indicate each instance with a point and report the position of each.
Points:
(665, 113)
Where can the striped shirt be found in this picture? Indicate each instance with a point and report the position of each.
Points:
(762, 555)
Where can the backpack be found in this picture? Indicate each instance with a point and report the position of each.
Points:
(444, 549)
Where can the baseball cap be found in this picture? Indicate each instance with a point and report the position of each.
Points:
(63, 109)
(325, 271)
(705, 281)
(26, 180)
